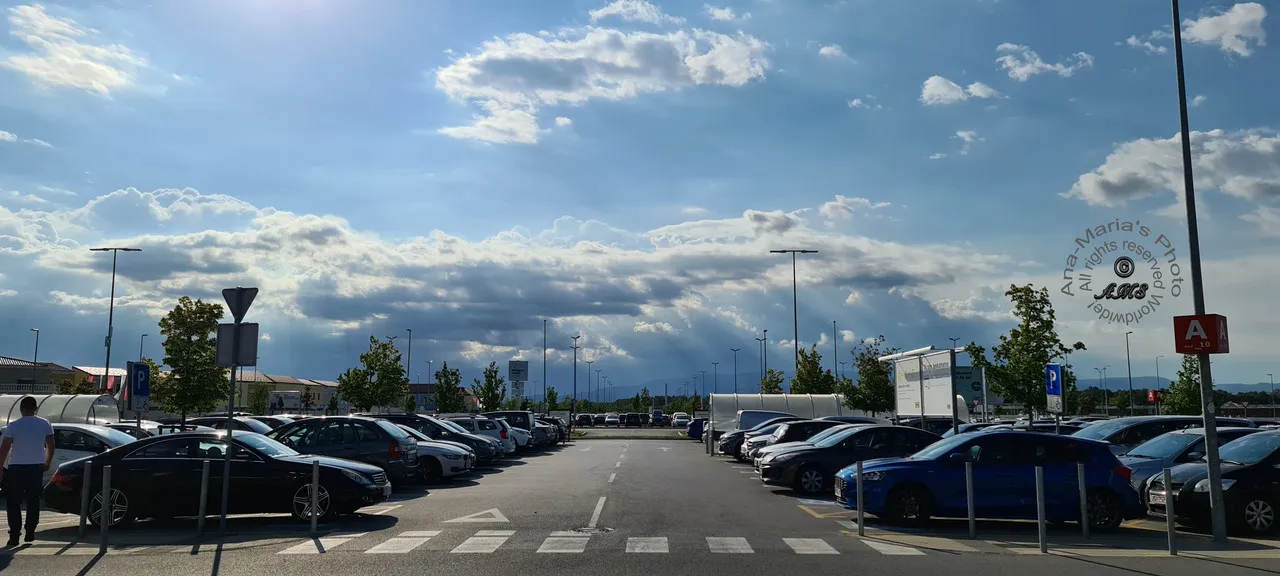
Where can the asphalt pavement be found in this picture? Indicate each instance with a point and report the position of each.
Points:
(619, 507)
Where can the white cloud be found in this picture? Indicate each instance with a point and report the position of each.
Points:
(724, 14)
(1022, 63)
(38, 142)
(8, 136)
(693, 210)
(1245, 164)
(1199, 99)
(655, 328)
(938, 90)
(852, 299)
(833, 51)
(867, 104)
(511, 78)
(634, 11)
(61, 58)
(968, 137)
(1145, 45)
(15, 196)
(938, 156)
(1233, 30)
(11, 137)
(1266, 218)
(561, 121)
(844, 207)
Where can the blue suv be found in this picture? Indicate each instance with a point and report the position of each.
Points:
(931, 482)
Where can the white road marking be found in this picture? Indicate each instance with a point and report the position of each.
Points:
(810, 546)
(731, 545)
(587, 449)
(595, 516)
(564, 545)
(618, 465)
(612, 477)
(621, 456)
(891, 549)
(321, 545)
(387, 509)
(484, 542)
(664, 448)
(653, 545)
(403, 543)
(490, 515)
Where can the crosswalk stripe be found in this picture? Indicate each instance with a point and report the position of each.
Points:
(403, 543)
(484, 542)
(892, 549)
(564, 544)
(729, 545)
(810, 546)
(320, 545)
(654, 545)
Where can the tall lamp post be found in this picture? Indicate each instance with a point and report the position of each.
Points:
(795, 309)
(598, 371)
(408, 359)
(715, 377)
(141, 343)
(1129, 363)
(735, 369)
(842, 369)
(1102, 383)
(835, 348)
(760, 343)
(111, 307)
(575, 373)
(589, 363)
(35, 359)
(953, 342)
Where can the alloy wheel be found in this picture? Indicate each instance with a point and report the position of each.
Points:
(302, 502)
(117, 507)
(811, 481)
(1102, 510)
(1259, 515)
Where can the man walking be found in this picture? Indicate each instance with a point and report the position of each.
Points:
(26, 450)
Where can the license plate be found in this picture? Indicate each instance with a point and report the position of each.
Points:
(1156, 498)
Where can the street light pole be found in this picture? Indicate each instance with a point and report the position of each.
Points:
(764, 351)
(953, 342)
(598, 371)
(835, 348)
(842, 369)
(141, 343)
(1129, 362)
(715, 377)
(575, 347)
(111, 307)
(735, 369)
(408, 359)
(589, 363)
(35, 360)
(760, 344)
(795, 309)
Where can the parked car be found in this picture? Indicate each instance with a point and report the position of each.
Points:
(781, 446)
(1124, 434)
(680, 420)
(969, 427)
(748, 419)
(561, 428)
(542, 435)
(522, 419)
(731, 442)
(438, 461)
(931, 482)
(612, 419)
(1047, 427)
(76, 441)
(657, 418)
(275, 479)
(755, 440)
(632, 419)
(244, 423)
(856, 419)
(1171, 449)
(486, 450)
(1250, 477)
(273, 421)
(598, 420)
(810, 468)
(695, 428)
(521, 437)
(583, 420)
(936, 424)
(496, 429)
(372, 441)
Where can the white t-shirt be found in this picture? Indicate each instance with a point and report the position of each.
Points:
(28, 434)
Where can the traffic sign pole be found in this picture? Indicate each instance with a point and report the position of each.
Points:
(238, 301)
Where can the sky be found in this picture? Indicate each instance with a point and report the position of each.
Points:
(467, 170)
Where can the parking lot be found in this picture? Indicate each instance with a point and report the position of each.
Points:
(629, 507)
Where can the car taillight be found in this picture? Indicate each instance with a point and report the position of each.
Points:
(395, 450)
(58, 478)
(1123, 471)
(504, 434)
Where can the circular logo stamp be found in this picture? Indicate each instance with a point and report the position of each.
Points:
(1122, 271)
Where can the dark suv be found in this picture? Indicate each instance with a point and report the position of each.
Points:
(373, 441)
(485, 449)
(632, 419)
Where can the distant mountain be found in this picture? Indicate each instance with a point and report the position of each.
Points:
(1149, 382)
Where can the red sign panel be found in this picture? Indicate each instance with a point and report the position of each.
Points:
(1202, 334)
(1153, 395)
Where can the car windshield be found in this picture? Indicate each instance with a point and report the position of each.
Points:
(454, 426)
(1102, 430)
(254, 425)
(944, 446)
(767, 430)
(265, 445)
(1251, 449)
(114, 437)
(1164, 446)
(392, 429)
(829, 432)
(838, 437)
(416, 435)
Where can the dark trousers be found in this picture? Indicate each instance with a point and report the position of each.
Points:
(22, 485)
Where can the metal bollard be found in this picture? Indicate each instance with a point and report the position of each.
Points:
(1044, 536)
(84, 496)
(315, 494)
(968, 493)
(862, 530)
(204, 497)
(1084, 500)
(104, 511)
(1169, 522)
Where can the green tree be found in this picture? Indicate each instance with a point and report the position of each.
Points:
(875, 391)
(1016, 370)
(646, 400)
(1120, 401)
(772, 382)
(379, 381)
(494, 388)
(308, 401)
(553, 400)
(810, 377)
(195, 382)
(332, 406)
(450, 397)
(259, 398)
(410, 404)
(1085, 402)
(69, 385)
(508, 404)
(1183, 395)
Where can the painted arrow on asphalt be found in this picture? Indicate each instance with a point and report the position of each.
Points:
(586, 449)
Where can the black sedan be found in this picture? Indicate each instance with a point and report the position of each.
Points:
(160, 478)
(1250, 477)
(809, 468)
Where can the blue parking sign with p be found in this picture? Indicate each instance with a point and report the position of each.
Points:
(141, 380)
(1053, 379)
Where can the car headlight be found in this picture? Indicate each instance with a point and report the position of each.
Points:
(1203, 485)
(452, 456)
(356, 477)
(873, 476)
(779, 458)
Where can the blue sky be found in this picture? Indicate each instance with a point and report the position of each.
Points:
(467, 169)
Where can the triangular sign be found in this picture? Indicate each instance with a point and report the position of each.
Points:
(239, 300)
(490, 515)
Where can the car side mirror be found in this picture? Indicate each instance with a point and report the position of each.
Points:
(957, 458)
(1194, 456)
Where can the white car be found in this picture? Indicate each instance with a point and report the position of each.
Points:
(680, 419)
(612, 419)
(440, 460)
(520, 435)
(76, 441)
(485, 426)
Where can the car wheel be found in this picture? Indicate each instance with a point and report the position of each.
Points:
(908, 506)
(118, 511)
(810, 480)
(1257, 515)
(1104, 510)
(432, 473)
(301, 506)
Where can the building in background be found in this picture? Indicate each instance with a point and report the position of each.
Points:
(19, 376)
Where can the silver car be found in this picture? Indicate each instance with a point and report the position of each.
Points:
(440, 460)
(487, 427)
